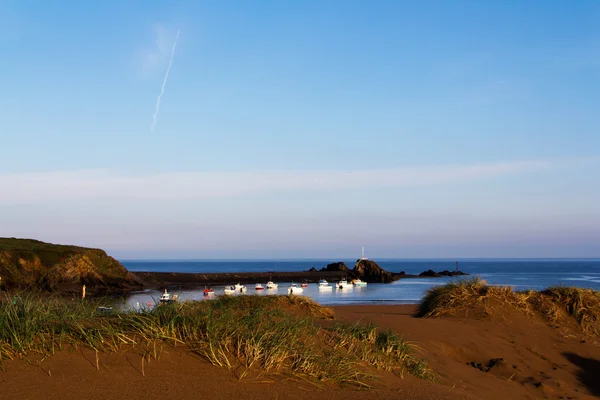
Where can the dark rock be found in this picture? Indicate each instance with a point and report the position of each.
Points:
(491, 363)
(430, 273)
(451, 273)
(313, 269)
(369, 271)
(338, 266)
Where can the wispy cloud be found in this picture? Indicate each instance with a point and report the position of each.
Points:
(102, 183)
(155, 58)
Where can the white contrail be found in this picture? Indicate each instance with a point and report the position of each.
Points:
(162, 89)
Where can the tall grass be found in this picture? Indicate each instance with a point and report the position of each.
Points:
(381, 349)
(467, 295)
(273, 334)
(475, 295)
(582, 304)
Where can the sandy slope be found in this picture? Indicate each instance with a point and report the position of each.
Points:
(177, 375)
(539, 361)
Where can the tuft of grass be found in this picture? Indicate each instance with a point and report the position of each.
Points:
(272, 334)
(382, 349)
(464, 295)
(582, 304)
(475, 295)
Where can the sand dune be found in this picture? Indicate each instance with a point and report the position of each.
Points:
(538, 361)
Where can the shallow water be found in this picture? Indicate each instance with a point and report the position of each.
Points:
(521, 274)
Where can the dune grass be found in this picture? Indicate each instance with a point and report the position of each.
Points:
(468, 295)
(581, 304)
(474, 295)
(272, 334)
(382, 349)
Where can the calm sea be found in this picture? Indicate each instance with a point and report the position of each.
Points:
(521, 274)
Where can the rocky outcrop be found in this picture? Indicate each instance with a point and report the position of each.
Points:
(26, 263)
(365, 270)
(369, 271)
(334, 267)
(431, 273)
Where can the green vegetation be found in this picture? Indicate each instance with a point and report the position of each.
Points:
(39, 265)
(246, 334)
(381, 349)
(36, 246)
(474, 295)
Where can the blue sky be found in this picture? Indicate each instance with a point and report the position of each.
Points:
(303, 128)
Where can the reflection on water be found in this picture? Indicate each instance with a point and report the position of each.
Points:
(406, 291)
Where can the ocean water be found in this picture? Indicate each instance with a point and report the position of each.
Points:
(521, 274)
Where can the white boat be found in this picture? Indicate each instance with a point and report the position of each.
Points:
(359, 283)
(258, 286)
(271, 285)
(238, 286)
(294, 289)
(343, 284)
(324, 285)
(229, 290)
(242, 289)
(166, 297)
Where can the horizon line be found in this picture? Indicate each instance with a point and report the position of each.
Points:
(347, 258)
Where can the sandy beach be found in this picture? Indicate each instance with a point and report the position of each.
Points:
(538, 361)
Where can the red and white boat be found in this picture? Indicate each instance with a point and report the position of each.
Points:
(208, 292)
(259, 287)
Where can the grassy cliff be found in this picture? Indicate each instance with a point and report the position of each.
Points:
(27, 263)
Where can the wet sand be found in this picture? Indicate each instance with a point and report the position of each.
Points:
(538, 362)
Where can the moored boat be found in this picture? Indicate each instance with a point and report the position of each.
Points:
(324, 285)
(166, 297)
(358, 282)
(258, 286)
(229, 290)
(208, 292)
(295, 289)
(343, 284)
(271, 285)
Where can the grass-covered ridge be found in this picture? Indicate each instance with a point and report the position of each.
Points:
(36, 245)
(247, 334)
(28, 263)
(474, 295)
